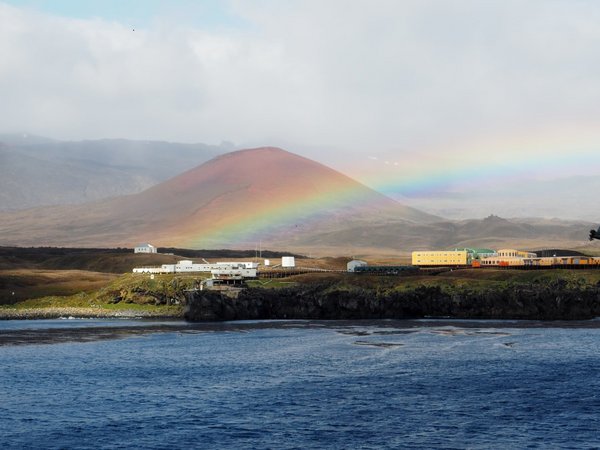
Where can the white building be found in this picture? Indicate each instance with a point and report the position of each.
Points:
(288, 261)
(144, 248)
(245, 264)
(354, 264)
(233, 272)
(247, 269)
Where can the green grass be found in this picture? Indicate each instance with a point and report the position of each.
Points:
(88, 301)
(23, 284)
(139, 292)
(53, 301)
(473, 279)
(126, 292)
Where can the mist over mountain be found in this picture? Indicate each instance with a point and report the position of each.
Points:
(565, 198)
(280, 200)
(236, 199)
(481, 100)
(36, 171)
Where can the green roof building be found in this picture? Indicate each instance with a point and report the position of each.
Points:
(478, 253)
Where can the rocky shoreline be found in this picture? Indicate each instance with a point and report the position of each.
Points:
(84, 313)
(551, 301)
(332, 301)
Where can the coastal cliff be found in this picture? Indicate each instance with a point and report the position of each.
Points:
(553, 301)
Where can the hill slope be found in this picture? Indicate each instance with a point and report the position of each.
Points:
(239, 199)
(35, 171)
(278, 200)
(393, 238)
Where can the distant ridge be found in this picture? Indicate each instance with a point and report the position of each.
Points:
(36, 171)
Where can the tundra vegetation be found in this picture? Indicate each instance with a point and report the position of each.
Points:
(46, 282)
(97, 294)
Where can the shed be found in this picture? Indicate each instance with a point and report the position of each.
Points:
(354, 264)
(144, 248)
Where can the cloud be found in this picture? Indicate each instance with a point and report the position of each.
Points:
(389, 76)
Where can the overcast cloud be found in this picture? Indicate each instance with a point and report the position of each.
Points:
(359, 77)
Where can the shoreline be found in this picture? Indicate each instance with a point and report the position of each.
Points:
(81, 313)
(358, 328)
(335, 299)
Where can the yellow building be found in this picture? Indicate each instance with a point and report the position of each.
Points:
(562, 261)
(509, 257)
(503, 261)
(510, 252)
(441, 258)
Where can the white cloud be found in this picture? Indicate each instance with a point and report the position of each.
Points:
(387, 78)
(383, 74)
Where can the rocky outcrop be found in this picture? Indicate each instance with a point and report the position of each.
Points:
(555, 301)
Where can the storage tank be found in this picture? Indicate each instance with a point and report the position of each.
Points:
(288, 261)
(267, 262)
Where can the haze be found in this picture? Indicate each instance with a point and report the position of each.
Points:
(459, 108)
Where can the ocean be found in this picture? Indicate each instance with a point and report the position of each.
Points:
(297, 385)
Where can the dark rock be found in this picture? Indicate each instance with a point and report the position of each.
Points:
(331, 302)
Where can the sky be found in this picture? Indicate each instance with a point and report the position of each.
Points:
(452, 106)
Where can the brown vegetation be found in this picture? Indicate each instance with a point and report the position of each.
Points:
(22, 284)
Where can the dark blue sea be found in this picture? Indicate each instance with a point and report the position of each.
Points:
(297, 385)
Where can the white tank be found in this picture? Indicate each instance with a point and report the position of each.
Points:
(267, 262)
(288, 261)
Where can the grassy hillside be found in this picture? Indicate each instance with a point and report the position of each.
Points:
(120, 260)
(101, 280)
(22, 284)
(463, 278)
(162, 295)
(96, 260)
(91, 289)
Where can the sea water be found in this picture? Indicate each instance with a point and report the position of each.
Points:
(308, 385)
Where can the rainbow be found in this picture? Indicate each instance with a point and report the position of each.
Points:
(427, 172)
(485, 163)
(255, 222)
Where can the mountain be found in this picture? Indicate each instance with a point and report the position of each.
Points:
(271, 198)
(245, 198)
(497, 232)
(35, 171)
(393, 238)
(561, 197)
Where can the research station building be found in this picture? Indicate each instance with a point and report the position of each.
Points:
(144, 248)
(352, 265)
(441, 258)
